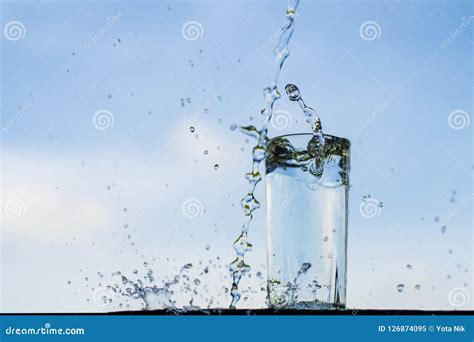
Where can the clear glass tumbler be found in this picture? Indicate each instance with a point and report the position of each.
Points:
(306, 195)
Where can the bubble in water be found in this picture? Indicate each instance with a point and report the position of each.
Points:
(409, 266)
(206, 152)
(304, 268)
(208, 247)
(443, 229)
(233, 127)
(192, 129)
(400, 287)
(216, 166)
(417, 287)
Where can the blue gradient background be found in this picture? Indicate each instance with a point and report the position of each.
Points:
(59, 164)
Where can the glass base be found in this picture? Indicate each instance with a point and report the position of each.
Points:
(310, 305)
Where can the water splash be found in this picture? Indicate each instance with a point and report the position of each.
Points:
(249, 203)
(287, 296)
(310, 114)
(316, 144)
(189, 289)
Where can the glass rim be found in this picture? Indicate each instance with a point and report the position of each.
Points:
(332, 137)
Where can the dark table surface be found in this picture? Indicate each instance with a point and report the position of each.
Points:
(260, 312)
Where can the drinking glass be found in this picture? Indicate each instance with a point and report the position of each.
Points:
(306, 186)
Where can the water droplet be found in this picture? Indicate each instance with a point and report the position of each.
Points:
(208, 247)
(443, 229)
(216, 166)
(400, 287)
(233, 127)
(325, 238)
(192, 129)
(409, 266)
(417, 287)
(293, 92)
(206, 152)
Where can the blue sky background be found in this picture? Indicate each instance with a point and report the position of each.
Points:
(79, 186)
